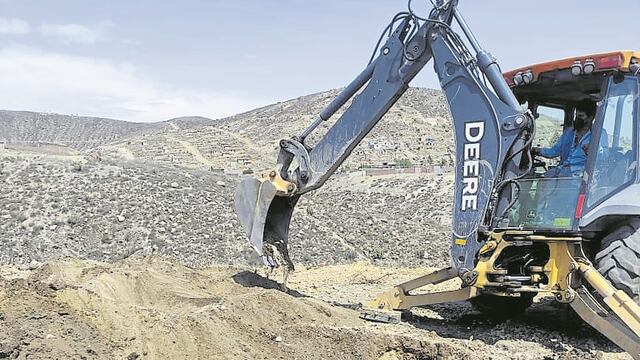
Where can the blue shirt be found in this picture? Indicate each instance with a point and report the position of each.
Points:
(571, 155)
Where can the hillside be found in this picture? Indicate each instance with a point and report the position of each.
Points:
(77, 206)
(32, 129)
(416, 131)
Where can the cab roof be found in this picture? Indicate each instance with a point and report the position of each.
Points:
(619, 60)
(569, 80)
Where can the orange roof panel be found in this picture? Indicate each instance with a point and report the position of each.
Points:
(604, 61)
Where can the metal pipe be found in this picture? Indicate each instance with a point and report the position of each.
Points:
(311, 127)
(517, 278)
(489, 66)
(467, 31)
(342, 98)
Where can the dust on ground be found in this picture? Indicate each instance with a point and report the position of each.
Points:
(155, 308)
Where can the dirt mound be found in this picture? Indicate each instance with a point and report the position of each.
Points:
(154, 308)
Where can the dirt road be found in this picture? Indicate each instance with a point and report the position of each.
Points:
(153, 308)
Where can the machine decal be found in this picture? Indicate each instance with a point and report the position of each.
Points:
(473, 133)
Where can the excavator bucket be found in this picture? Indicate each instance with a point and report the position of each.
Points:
(264, 206)
(252, 201)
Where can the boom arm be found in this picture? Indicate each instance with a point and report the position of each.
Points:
(491, 132)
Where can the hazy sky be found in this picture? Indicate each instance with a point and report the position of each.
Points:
(150, 60)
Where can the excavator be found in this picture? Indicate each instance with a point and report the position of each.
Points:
(517, 231)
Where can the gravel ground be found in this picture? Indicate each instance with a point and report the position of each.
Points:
(154, 308)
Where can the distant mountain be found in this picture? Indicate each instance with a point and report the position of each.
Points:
(415, 131)
(80, 132)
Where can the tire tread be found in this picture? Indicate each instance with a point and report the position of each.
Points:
(619, 258)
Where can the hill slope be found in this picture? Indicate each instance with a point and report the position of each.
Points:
(415, 131)
(78, 132)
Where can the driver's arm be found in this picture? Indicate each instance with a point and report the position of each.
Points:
(554, 151)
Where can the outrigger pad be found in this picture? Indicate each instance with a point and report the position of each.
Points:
(388, 317)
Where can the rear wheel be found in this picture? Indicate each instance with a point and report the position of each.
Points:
(502, 306)
(619, 258)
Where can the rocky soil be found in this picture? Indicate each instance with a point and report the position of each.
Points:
(57, 207)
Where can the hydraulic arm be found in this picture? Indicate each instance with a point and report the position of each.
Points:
(491, 132)
(493, 136)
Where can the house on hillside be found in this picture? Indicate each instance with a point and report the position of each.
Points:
(429, 142)
(245, 160)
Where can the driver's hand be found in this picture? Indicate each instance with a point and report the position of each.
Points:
(535, 151)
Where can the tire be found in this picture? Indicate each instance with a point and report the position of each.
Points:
(502, 307)
(619, 258)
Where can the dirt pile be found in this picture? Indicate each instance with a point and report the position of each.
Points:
(156, 309)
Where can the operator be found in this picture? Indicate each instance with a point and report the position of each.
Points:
(573, 145)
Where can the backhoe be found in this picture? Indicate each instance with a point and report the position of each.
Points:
(517, 231)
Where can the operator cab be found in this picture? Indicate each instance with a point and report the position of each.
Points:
(555, 201)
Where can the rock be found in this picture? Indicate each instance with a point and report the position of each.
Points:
(175, 185)
(221, 183)
(121, 218)
(278, 339)
(56, 284)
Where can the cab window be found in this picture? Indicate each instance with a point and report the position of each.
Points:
(548, 125)
(615, 163)
(549, 128)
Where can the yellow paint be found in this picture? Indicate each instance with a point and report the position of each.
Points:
(283, 187)
(564, 222)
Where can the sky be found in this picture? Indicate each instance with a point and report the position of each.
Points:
(152, 60)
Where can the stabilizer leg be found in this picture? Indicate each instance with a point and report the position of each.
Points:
(619, 321)
(384, 308)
